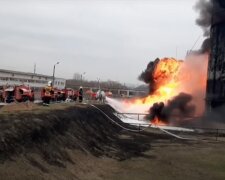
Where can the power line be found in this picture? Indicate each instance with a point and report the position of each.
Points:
(196, 42)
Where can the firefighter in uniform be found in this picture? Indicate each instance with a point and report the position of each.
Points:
(48, 92)
(80, 94)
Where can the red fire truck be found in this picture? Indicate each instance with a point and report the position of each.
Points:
(69, 93)
(19, 93)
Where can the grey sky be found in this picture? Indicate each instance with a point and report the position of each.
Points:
(106, 39)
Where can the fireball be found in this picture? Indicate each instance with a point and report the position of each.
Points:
(168, 78)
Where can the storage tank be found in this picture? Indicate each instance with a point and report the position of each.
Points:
(215, 93)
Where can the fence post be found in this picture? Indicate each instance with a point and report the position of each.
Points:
(217, 134)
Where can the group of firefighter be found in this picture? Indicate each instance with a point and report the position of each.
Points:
(22, 93)
(48, 93)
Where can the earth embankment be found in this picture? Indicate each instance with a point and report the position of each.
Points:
(77, 141)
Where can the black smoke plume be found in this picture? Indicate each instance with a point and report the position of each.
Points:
(205, 9)
(147, 75)
(210, 12)
(178, 107)
(205, 15)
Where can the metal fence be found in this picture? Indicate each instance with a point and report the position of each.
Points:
(136, 116)
(197, 133)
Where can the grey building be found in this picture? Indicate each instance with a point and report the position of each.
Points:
(9, 77)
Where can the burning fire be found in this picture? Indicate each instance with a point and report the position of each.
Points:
(171, 77)
(165, 79)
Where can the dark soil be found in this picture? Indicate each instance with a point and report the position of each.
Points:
(79, 142)
(81, 127)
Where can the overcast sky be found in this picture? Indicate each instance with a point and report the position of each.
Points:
(108, 39)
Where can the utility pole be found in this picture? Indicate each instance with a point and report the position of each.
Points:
(53, 78)
(34, 68)
(98, 83)
(176, 52)
(82, 77)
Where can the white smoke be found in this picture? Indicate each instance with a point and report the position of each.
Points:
(123, 106)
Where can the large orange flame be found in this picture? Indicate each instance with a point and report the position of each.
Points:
(166, 79)
(172, 77)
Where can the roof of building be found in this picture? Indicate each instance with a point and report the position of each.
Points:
(27, 73)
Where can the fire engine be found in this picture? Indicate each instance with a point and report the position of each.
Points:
(19, 93)
(56, 95)
(49, 93)
(69, 93)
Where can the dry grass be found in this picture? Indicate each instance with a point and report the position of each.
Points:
(15, 108)
(88, 147)
(165, 160)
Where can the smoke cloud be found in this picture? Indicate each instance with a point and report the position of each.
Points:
(205, 9)
(178, 107)
(210, 12)
(147, 75)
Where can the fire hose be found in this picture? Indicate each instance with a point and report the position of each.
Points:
(134, 130)
(174, 135)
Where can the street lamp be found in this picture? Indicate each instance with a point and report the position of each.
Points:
(98, 83)
(82, 77)
(53, 79)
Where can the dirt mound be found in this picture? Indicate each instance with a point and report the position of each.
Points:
(78, 142)
(81, 127)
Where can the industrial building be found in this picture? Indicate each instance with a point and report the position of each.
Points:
(9, 77)
(216, 68)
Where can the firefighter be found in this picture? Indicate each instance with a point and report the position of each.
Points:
(80, 94)
(48, 92)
